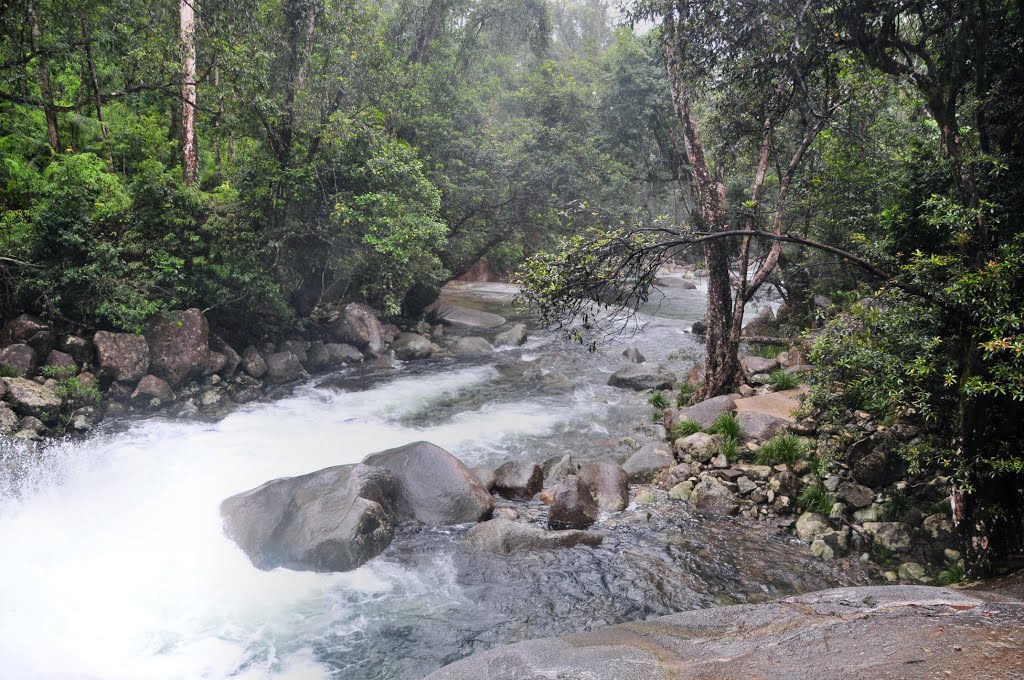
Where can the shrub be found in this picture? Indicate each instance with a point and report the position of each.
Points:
(686, 427)
(816, 498)
(726, 425)
(786, 448)
(780, 379)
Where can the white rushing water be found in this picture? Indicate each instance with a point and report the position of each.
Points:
(114, 564)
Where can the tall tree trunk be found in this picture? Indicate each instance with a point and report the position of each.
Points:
(97, 97)
(189, 150)
(49, 110)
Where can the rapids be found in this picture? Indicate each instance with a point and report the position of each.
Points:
(114, 565)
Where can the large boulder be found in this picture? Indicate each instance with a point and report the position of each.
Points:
(763, 323)
(505, 537)
(284, 367)
(29, 398)
(642, 377)
(456, 315)
(700, 446)
(409, 346)
(334, 519)
(19, 359)
(573, 506)
(121, 356)
(752, 365)
(895, 536)
(77, 346)
(644, 465)
(711, 495)
(356, 324)
(468, 348)
(61, 360)
(179, 346)
(708, 410)
(435, 488)
(513, 337)
(341, 353)
(607, 483)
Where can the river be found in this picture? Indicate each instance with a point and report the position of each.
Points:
(114, 565)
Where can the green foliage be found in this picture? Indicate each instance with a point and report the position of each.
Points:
(687, 393)
(767, 351)
(781, 379)
(784, 448)
(657, 415)
(657, 400)
(895, 506)
(728, 446)
(727, 425)
(686, 427)
(816, 498)
(952, 573)
(7, 372)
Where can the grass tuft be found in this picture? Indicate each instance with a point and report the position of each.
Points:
(816, 498)
(785, 448)
(726, 425)
(781, 380)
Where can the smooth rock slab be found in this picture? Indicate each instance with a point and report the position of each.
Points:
(505, 537)
(863, 633)
(456, 315)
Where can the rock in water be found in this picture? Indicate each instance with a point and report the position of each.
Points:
(435, 487)
(467, 348)
(334, 519)
(356, 324)
(607, 483)
(642, 377)
(644, 465)
(284, 367)
(633, 355)
(32, 399)
(518, 479)
(456, 315)
(573, 506)
(503, 536)
(513, 337)
(179, 346)
(410, 346)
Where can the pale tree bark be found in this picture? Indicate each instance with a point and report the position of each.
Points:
(187, 35)
(49, 110)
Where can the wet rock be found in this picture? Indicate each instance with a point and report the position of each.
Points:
(253, 362)
(573, 506)
(810, 524)
(8, 420)
(32, 399)
(518, 479)
(485, 476)
(179, 345)
(356, 324)
(343, 354)
(855, 495)
(513, 337)
(607, 483)
(644, 465)
(645, 497)
(712, 496)
(232, 358)
(317, 357)
(559, 468)
(152, 387)
(894, 536)
(121, 356)
(674, 282)
(20, 360)
(505, 537)
(330, 520)
(761, 426)
(642, 377)
(634, 356)
(469, 348)
(411, 346)
(706, 411)
(284, 367)
(699, 327)
(85, 418)
(31, 424)
(456, 315)
(435, 488)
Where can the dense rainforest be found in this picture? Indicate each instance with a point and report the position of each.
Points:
(257, 158)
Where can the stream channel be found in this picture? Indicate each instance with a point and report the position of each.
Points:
(113, 564)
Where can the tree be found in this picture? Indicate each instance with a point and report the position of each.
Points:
(189, 152)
